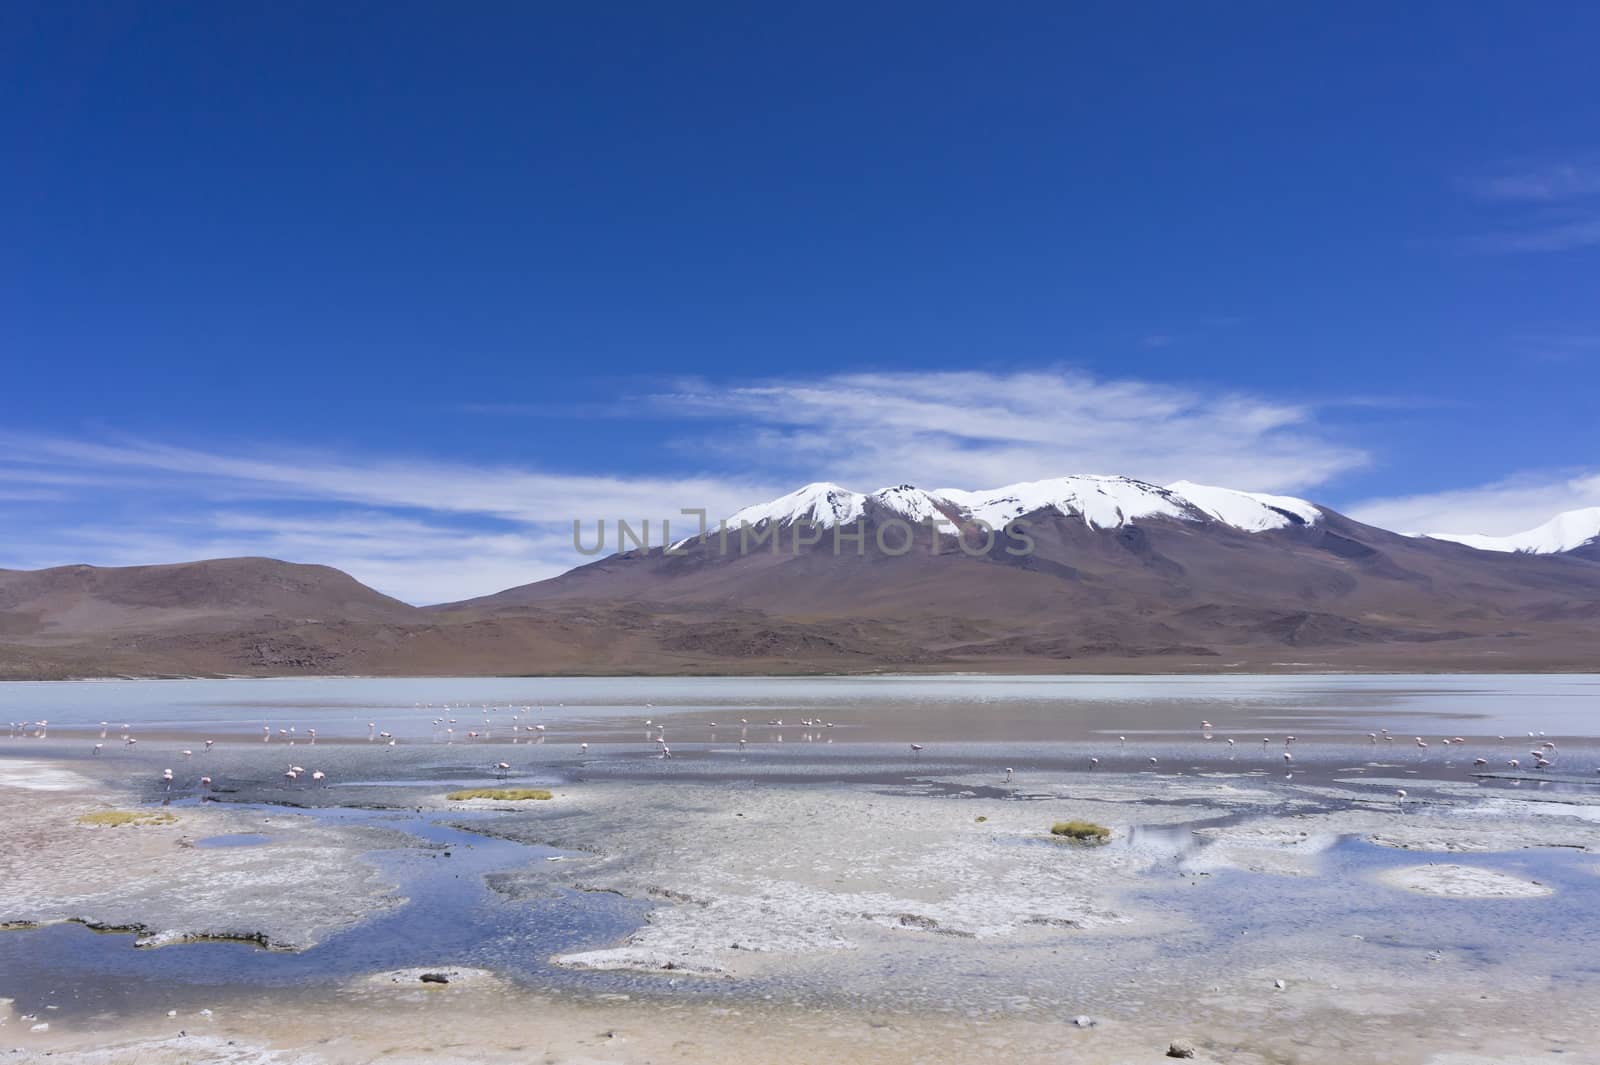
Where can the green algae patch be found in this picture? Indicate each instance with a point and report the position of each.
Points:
(118, 818)
(1082, 831)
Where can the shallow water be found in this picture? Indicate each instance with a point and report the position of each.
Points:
(450, 918)
(941, 709)
(972, 729)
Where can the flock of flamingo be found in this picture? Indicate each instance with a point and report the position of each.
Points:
(1542, 756)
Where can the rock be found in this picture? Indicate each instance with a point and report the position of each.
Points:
(1083, 1021)
(434, 978)
(1180, 1048)
(1279, 984)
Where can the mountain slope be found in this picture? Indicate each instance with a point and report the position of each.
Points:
(1571, 531)
(1113, 570)
(74, 601)
(1088, 574)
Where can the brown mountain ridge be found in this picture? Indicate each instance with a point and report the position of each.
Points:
(1165, 592)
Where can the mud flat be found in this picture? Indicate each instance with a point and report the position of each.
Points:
(742, 873)
(1463, 882)
(147, 877)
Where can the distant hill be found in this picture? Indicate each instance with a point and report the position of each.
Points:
(1117, 576)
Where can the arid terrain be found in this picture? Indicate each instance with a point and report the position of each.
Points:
(1154, 595)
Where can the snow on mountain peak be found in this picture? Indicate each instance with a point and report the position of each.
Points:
(908, 502)
(1102, 502)
(821, 504)
(1564, 532)
(1249, 511)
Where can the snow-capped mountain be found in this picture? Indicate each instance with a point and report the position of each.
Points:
(1102, 503)
(1567, 531)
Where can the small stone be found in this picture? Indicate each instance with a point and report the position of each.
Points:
(1084, 1021)
(1180, 1048)
(434, 978)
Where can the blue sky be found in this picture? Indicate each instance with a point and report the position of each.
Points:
(405, 288)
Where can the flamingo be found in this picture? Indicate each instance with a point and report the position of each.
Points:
(501, 769)
(166, 777)
(1152, 761)
(1093, 762)
(187, 753)
(583, 748)
(1400, 797)
(916, 750)
(318, 777)
(1008, 774)
(205, 783)
(98, 748)
(209, 744)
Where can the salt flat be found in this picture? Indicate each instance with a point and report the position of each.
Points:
(808, 894)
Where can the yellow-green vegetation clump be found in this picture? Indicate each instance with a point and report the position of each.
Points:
(1082, 831)
(118, 818)
(500, 794)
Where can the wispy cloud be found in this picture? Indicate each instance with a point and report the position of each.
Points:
(427, 529)
(1500, 508)
(485, 527)
(969, 429)
(505, 492)
(1550, 182)
(1543, 207)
